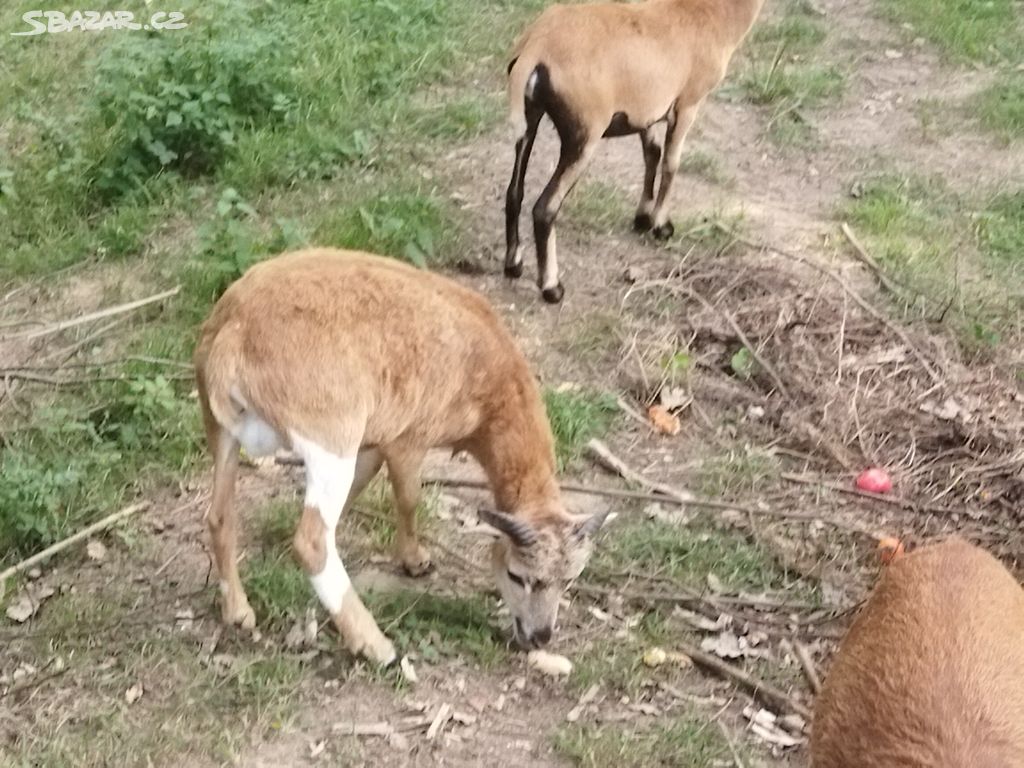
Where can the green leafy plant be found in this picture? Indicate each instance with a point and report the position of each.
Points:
(177, 103)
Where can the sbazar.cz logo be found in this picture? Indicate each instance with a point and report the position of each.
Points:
(42, 22)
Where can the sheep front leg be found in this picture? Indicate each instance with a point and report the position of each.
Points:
(643, 222)
(575, 156)
(514, 195)
(675, 137)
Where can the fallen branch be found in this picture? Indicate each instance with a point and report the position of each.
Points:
(807, 663)
(71, 381)
(659, 497)
(759, 689)
(869, 261)
(609, 460)
(85, 533)
(382, 728)
(63, 325)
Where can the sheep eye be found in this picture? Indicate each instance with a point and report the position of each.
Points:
(516, 579)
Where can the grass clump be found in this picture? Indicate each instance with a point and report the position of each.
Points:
(1000, 107)
(780, 62)
(957, 259)
(278, 589)
(440, 625)
(686, 555)
(986, 31)
(597, 205)
(76, 460)
(576, 417)
(413, 226)
(689, 741)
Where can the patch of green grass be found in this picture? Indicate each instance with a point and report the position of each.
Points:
(457, 117)
(108, 643)
(686, 554)
(440, 625)
(1002, 227)
(278, 589)
(83, 457)
(955, 257)
(986, 31)
(736, 472)
(1000, 107)
(595, 333)
(416, 227)
(689, 741)
(617, 664)
(576, 417)
(274, 524)
(598, 205)
(782, 61)
(705, 165)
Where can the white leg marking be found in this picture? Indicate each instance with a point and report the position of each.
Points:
(551, 266)
(518, 258)
(328, 482)
(531, 83)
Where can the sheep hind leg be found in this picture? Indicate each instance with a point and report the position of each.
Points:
(643, 221)
(675, 138)
(514, 195)
(575, 156)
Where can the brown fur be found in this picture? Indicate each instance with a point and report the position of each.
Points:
(931, 675)
(362, 354)
(613, 69)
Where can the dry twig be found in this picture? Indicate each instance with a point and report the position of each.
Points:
(765, 692)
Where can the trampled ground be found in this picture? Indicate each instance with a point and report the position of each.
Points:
(791, 359)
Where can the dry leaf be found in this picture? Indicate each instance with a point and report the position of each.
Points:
(663, 421)
(133, 694)
(96, 550)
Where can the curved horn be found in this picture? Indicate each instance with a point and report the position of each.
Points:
(521, 533)
(589, 526)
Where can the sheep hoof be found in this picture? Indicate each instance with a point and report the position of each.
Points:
(553, 295)
(664, 232)
(514, 271)
(642, 222)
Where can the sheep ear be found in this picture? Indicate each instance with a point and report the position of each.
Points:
(521, 534)
(588, 526)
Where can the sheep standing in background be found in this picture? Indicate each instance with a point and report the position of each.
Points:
(613, 69)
